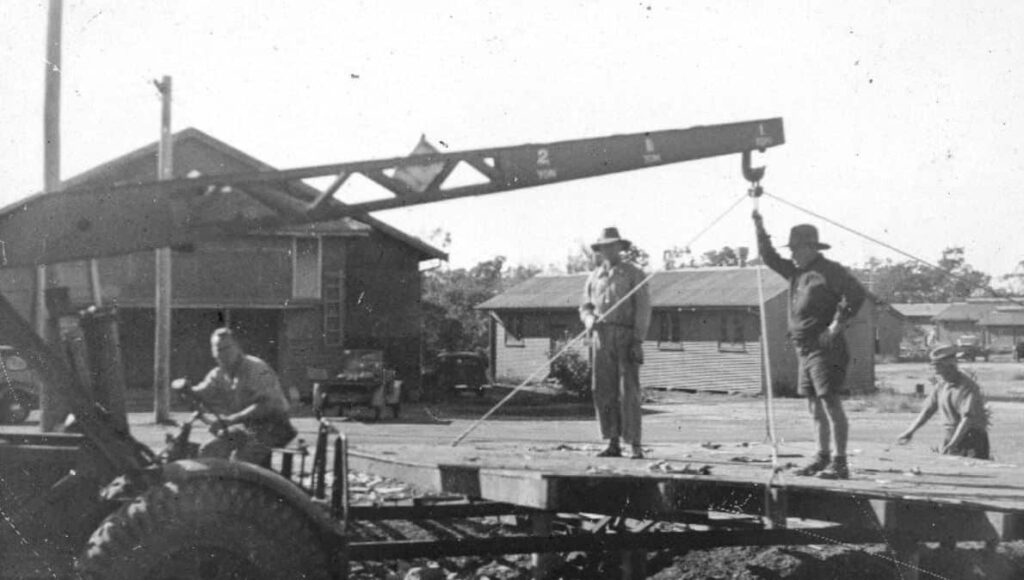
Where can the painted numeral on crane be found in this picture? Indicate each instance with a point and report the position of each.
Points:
(762, 140)
(544, 169)
(650, 154)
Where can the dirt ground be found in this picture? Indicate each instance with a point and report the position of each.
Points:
(674, 417)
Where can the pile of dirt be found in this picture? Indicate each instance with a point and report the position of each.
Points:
(773, 563)
(834, 562)
(843, 563)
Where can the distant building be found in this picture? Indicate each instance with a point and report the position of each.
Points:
(961, 318)
(705, 331)
(297, 296)
(920, 330)
(1003, 327)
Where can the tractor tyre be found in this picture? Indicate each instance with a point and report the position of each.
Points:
(14, 406)
(212, 529)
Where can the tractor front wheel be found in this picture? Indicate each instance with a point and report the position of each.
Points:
(14, 406)
(215, 529)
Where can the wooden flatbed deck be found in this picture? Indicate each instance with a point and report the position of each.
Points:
(894, 493)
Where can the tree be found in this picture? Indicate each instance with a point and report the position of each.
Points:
(675, 258)
(727, 256)
(1015, 280)
(912, 281)
(450, 297)
(584, 258)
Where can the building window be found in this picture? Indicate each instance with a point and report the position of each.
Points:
(306, 268)
(514, 335)
(334, 308)
(670, 330)
(731, 336)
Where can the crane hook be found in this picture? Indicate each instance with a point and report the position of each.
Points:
(753, 175)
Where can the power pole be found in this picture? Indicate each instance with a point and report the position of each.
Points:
(162, 298)
(48, 402)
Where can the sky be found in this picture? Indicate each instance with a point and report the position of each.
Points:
(903, 119)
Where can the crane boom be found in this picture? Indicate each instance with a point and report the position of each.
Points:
(123, 218)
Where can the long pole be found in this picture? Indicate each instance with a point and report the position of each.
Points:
(48, 401)
(162, 298)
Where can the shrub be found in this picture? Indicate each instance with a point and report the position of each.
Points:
(572, 371)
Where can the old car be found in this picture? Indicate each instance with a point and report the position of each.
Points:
(969, 347)
(361, 380)
(20, 385)
(457, 372)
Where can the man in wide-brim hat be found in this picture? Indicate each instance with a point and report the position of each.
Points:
(617, 334)
(823, 297)
(963, 407)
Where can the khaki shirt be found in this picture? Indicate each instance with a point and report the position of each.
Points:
(252, 382)
(819, 293)
(607, 285)
(957, 400)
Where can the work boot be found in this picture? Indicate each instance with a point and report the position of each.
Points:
(613, 450)
(820, 462)
(837, 469)
(637, 452)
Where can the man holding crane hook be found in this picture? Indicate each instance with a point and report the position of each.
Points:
(823, 297)
(616, 312)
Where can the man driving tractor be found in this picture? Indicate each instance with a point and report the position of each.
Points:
(246, 407)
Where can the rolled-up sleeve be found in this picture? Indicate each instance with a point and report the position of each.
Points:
(972, 409)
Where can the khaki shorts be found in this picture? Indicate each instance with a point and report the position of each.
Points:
(823, 367)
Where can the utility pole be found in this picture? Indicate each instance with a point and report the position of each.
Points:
(48, 402)
(162, 297)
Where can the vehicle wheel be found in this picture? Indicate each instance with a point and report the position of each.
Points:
(395, 409)
(214, 529)
(14, 406)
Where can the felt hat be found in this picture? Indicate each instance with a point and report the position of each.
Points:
(805, 235)
(945, 352)
(610, 236)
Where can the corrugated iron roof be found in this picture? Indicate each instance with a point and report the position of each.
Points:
(971, 311)
(693, 287)
(921, 310)
(1003, 317)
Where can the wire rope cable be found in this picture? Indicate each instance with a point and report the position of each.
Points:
(571, 343)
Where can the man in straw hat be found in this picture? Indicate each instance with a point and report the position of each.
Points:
(962, 405)
(617, 340)
(823, 297)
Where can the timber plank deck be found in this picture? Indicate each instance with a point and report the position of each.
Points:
(896, 489)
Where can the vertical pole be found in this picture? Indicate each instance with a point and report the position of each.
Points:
(162, 296)
(94, 282)
(541, 525)
(50, 414)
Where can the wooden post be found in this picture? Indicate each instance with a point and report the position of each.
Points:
(94, 283)
(162, 296)
(541, 523)
(907, 553)
(51, 412)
